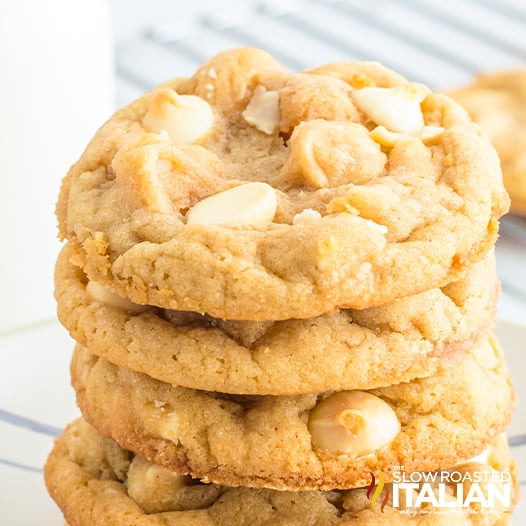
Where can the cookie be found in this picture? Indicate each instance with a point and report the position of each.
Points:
(397, 342)
(97, 483)
(316, 441)
(497, 101)
(250, 193)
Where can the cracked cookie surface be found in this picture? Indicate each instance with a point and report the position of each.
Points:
(280, 442)
(97, 483)
(408, 338)
(353, 188)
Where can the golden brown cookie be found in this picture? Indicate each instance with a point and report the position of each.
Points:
(250, 193)
(408, 338)
(324, 441)
(97, 483)
(497, 101)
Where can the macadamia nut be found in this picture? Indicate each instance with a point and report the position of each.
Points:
(103, 295)
(352, 422)
(186, 118)
(247, 205)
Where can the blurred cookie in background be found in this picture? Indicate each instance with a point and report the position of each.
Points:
(497, 101)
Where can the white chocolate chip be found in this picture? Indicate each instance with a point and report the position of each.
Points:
(431, 133)
(153, 487)
(386, 138)
(103, 295)
(145, 472)
(398, 108)
(353, 422)
(186, 118)
(263, 110)
(306, 215)
(246, 205)
(377, 226)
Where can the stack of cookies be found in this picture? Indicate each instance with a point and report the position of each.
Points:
(282, 288)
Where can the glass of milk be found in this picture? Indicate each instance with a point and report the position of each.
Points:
(56, 89)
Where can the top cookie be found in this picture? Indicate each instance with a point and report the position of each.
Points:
(248, 192)
(497, 101)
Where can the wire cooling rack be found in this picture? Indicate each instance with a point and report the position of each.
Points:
(439, 43)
